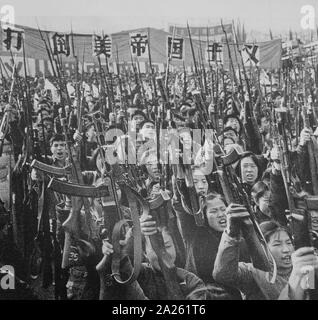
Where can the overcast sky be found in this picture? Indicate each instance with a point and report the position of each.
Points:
(116, 15)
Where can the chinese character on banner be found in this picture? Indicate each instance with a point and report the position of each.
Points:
(12, 39)
(102, 45)
(139, 44)
(214, 52)
(177, 48)
(61, 44)
(250, 54)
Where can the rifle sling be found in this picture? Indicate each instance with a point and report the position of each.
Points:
(132, 196)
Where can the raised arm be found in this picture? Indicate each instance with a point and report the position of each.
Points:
(227, 268)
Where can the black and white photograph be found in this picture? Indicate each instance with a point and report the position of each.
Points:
(160, 150)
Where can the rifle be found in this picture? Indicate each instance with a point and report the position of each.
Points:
(127, 78)
(141, 85)
(236, 59)
(134, 69)
(196, 201)
(56, 73)
(41, 256)
(230, 55)
(48, 53)
(114, 223)
(312, 148)
(4, 126)
(4, 67)
(201, 71)
(299, 218)
(3, 79)
(123, 97)
(111, 89)
(196, 207)
(184, 92)
(158, 210)
(234, 193)
(78, 94)
(169, 59)
(109, 267)
(151, 68)
(159, 118)
(104, 85)
(30, 143)
(136, 76)
(158, 207)
(197, 77)
(291, 181)
(210, 66)
(71, 225)
(205, 83)
(250, 124)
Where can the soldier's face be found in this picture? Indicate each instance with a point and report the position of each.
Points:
(281, 248)
(263, 202)
(58, 150)
(233, 123)
(249, 170)
(152, 167)
(231, 134)
(138, 119)
(186, 139)
(200, 183)
(216, 216)
(148, 131)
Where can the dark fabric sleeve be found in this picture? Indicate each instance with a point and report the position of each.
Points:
(278, 203)
(227, 268)
(185, 221)
(190, 283)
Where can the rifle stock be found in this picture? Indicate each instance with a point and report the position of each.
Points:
(234, 193)
(312, 148)
(166, 264)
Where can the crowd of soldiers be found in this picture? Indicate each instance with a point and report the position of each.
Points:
(150, 188)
